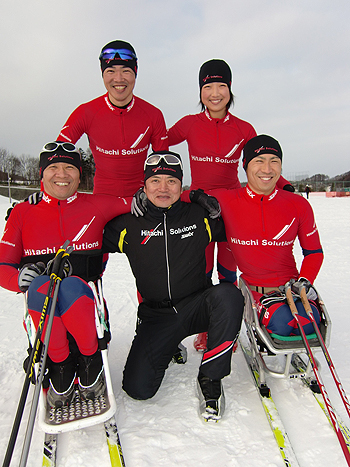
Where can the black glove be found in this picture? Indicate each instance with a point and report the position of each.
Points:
(296, 287)
(289, 187)
(28, 273)
(35, 198)
(67, 268)
(8, 212)
(139, 203)
(207, 202)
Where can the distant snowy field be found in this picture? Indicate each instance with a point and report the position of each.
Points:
(166, 430)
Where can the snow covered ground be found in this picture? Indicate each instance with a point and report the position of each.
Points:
(166, 430)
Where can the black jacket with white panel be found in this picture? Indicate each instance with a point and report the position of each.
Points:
(166, 249)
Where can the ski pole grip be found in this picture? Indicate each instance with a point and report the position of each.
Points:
(290, 300)
(305, 301)
(61, 264)
(58, 259)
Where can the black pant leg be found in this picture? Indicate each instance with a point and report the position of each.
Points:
(224, 305)
(217, 310)
(151, 351)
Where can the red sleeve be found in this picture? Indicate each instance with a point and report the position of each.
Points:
(310, 242)
(251, 132)
(11, 250)
(159, 138)
(111, 206)
(178, 132)
(74, 127)
(311, 266)
(282, 182)
(185, 196)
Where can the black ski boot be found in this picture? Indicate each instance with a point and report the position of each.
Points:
(212, 399)
(91, 377)
(61, 379)
(180, 356)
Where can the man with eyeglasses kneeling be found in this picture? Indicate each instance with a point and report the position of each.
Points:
(166, 252)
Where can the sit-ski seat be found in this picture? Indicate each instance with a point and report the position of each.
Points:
(79, 414)
(264, 345)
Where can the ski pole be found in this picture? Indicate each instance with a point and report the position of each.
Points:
(33, 358)
(325, 396)
(310, 314)
(115, 449)
(57, 272)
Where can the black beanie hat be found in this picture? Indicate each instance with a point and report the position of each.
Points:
(58, 151)
(261, 144)
(117, 57)
(215, 71)
(162, 167)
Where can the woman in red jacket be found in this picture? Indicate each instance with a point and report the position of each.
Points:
(215, 141)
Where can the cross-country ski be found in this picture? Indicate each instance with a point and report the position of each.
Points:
(163, 431)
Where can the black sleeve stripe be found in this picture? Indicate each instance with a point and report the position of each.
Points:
(311, 252)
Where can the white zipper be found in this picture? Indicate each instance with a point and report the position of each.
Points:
(167, 258)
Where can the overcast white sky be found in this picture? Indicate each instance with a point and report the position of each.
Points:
(290, 63)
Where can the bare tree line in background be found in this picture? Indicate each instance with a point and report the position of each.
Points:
(24, 169)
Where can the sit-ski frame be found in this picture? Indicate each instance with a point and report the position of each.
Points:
(100, 326)
(263, 345)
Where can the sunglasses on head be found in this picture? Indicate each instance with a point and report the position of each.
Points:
(111, 54)
(69, 147)
(169, 159)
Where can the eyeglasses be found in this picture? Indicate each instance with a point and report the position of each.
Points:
(169, 159)
(124, 54)
(69, 147)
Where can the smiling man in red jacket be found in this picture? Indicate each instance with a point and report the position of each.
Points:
(262, 223)
(32, 236)
(120, 126)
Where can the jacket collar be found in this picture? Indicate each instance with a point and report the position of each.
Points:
(219, 120)
(257, 197)
(172, 210)
(116, 109)
(50, 200)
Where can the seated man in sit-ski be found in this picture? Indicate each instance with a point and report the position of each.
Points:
(262, 223)
(32, 235)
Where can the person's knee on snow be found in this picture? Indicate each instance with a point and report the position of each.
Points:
(138, 389)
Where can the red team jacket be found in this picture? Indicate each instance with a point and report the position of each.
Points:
(214, 147)
(35, 232)
(261, 231)
(119, 140)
